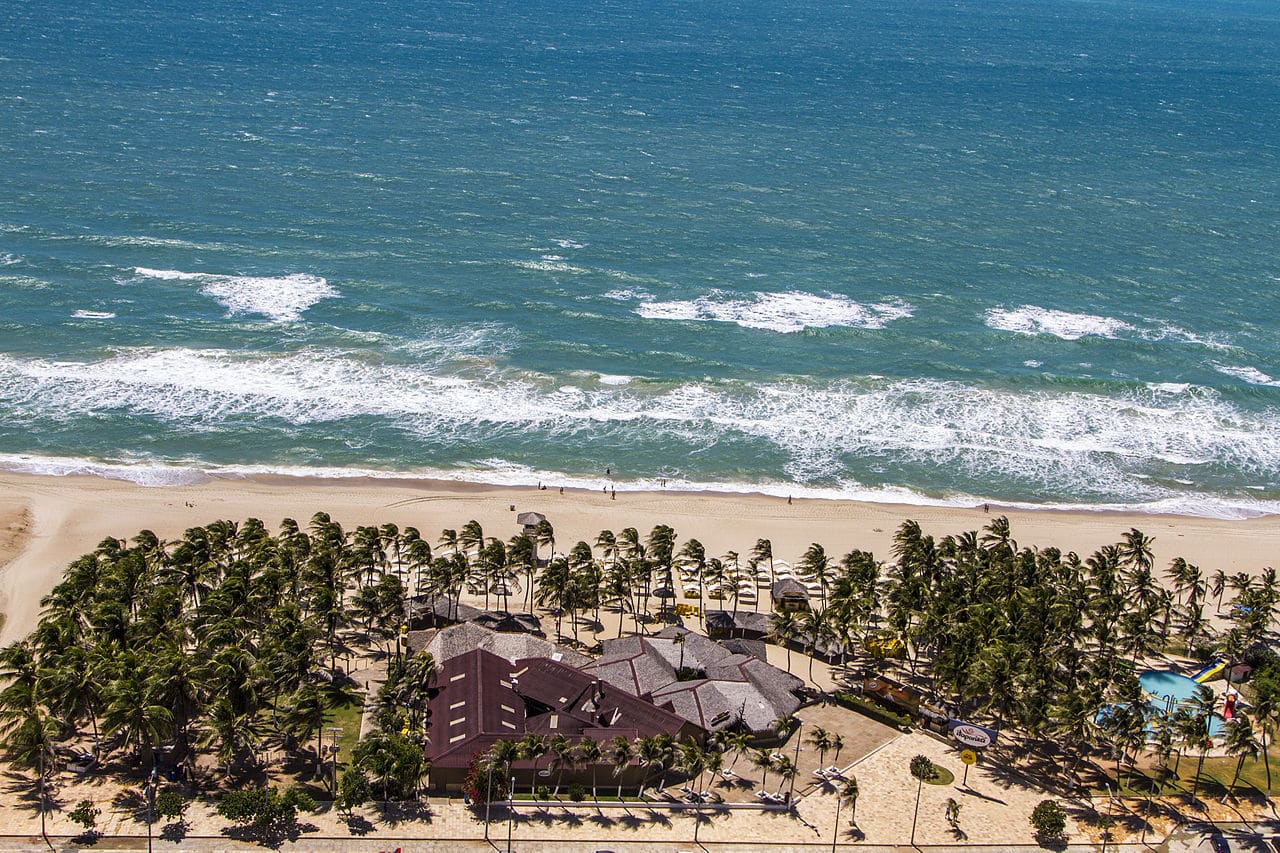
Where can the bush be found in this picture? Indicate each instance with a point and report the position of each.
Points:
(265, 809)
(485, 781)
(85, 814)
(171, 804)
(577, 793)
(542, 792)
(872, 710)
(1049, 820)
(354, 791)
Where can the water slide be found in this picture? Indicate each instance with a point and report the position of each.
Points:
(1209, 672)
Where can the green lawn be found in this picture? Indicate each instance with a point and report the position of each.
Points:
(346, 717)
(1214, 778)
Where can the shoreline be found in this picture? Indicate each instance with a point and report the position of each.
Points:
(59, 518)
(177, 474)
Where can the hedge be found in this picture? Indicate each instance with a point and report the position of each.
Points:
(867, 707)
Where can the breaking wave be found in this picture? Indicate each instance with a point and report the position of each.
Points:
(281, 298)
(1129, 447)
(792, 311)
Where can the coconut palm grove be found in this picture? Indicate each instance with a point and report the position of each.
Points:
(232, 665)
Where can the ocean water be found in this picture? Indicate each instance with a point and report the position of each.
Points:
(1022, 251)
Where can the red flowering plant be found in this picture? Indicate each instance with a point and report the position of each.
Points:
(485, 781)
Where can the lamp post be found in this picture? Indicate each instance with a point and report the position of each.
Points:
(791, 793)
(334, 732)
(835, 832)
(150, 791)
(488, 798)
(511, 810)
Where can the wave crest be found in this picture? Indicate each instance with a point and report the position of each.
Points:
(787, 312)
(280, 298)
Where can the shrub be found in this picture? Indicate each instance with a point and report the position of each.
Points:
(870, 709)
(485, 781)
(354, 791)
(1049, 820)
(265, 809)
(85, 814)
(577, 793)
(171, 804)
(542, 792)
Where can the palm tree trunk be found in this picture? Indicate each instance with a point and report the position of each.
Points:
(1266, 760)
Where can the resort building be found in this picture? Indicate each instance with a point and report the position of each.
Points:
(789, 595)
(448, 643)
(700, 680)
(484, 697)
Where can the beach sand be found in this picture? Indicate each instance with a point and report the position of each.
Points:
(45, 522)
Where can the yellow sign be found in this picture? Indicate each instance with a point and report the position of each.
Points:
(968, 756)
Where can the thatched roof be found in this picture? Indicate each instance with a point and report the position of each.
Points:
(530, 519)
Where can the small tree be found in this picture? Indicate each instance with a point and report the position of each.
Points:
(86, 815)
(577, 792)
(266, 810)
(1049, 820)
(354, 791)
(171, 805)
(921, 768)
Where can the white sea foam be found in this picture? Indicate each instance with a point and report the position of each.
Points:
(1034, 320)
(607, 379)
(1169, 387)
(792, 311)
(8, 260)
(280, 298)
(551, 266)
(84, 314)
(500, 472)
(1064, 442)
(627, 294)
(568, 244)
(1252, 375)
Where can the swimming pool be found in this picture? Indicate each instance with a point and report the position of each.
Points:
(1168, 685)
(1168, 690)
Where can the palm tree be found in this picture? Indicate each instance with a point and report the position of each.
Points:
(590, 754)
(764, 551)
(762, 760)
(562, 757)
(620, 754)
(306, 715)
(532, 747)
(787, 769)
(691, 760)
(783, 629)
(1266, 708)
(849, 794)
(1196, 728)
(545, 534)
(836, 743)
(921, 768)
(1242, 743)
(820, 739)
(133, 713)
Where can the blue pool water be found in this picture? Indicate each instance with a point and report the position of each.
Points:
(1168, 684)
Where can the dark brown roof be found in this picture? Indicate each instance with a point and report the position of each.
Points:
(483, 698)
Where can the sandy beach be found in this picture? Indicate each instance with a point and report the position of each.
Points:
(45, 522)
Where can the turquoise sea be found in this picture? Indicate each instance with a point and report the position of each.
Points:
(1024, 251)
